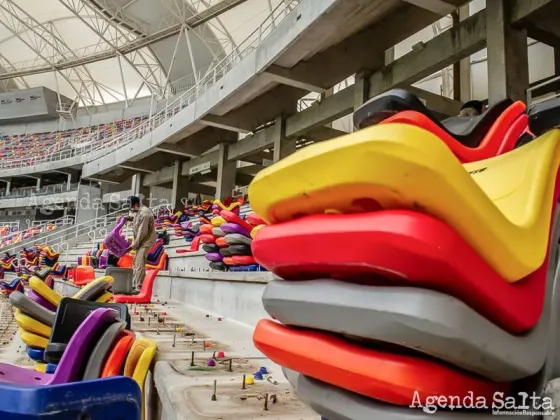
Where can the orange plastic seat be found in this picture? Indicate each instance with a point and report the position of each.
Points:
(83, 275)
(115, 362)
(393, 378)
(206, 229)
(221, 242)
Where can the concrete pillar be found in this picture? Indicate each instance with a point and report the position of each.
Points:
(282, 146)
(180, 188)
(508, 67)
(226, 173)
(8, 187)
(389, 55)
(69, 182)
(139, 190)
(462, 70)
(38, 185)
(361, 89)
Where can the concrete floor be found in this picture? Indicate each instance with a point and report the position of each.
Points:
(182, 384)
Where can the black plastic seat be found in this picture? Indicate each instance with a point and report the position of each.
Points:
(470, 131)
(544, 116)
(69, 315)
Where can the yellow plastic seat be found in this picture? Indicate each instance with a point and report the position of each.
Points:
(41, 367)
(105, 298)
(138, 363)
(39, 287)
(217, 221)
(31, 325)
(33, 340)
(502, 206)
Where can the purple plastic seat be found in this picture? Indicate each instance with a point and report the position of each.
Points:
(40, 300)
(103, 259)
(115, 242)
(73, 362)
(214, 256)
(234, 228)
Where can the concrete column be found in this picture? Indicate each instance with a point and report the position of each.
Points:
(180, 189)
(226, 173)
(69, 182)
(389, 55)
(38, 186)
(462, 69)
(282, 146)
(508, 67)
(361, 89)
(8, 187)
(139, 190)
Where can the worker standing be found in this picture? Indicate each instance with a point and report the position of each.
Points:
(144, 233)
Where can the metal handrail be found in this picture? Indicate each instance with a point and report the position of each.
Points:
(531, 100)
(58, 236)
(170, 107)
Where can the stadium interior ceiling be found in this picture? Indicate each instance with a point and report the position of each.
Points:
(97, 52)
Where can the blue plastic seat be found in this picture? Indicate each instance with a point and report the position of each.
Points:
(116, 398)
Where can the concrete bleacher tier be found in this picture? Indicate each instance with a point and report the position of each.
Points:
(189, 279)
(24, 146)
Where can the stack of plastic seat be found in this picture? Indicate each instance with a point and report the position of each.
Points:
(7, 288)
(88, 341)
(157, 257)
(35, 327)
(227, 242)
(410, 277)
(7, 263)
(48, 257)
(190, 230)
(59, 270)
(30, 256)
(228, 204)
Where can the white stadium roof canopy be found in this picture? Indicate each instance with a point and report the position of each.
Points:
(103, 51)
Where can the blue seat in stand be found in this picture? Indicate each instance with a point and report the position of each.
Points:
(116, 398)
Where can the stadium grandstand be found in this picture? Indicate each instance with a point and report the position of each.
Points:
(354, 209)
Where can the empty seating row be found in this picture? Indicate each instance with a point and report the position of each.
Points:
(19, 147)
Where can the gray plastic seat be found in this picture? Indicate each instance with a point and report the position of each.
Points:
(337, 404)
(425, 320)
(95, 291)
(32, 308)
(216, 231)
(122, 279)
(101, 351)
(237, 239)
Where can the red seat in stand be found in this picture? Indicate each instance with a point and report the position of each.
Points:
(145, 295)
(404, 247)
(494, 132)
(384, 376)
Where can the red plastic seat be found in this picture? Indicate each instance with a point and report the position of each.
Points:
(145, 295)
(388, 377)
(405, 247)
(501, 137)
(115, 361)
